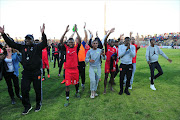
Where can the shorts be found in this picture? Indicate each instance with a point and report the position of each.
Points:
(45, 64)
(71, 76)
(107, 67)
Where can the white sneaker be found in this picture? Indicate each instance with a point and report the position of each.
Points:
(92, 96)
(130, 87)
(96, 94)
(152, 87)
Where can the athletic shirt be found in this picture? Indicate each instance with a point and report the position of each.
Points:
(71, 57)
(109, 51)
(9, 64)
(116, 47)
(134, 58)
(87, 47)
(44, 54)
(56, 51)
(81, 53)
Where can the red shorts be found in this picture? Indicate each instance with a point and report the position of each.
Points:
(107, 67)
(71, 76)
(45, 64)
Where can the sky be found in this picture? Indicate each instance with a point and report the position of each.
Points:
(21, 17)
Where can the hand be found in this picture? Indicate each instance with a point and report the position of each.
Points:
(42, 29)
(84, 25)
(75, 28)
(149, 62)
(106, 32)
(169, 60)
(112, 30)
(102, 53)
(121, 35)
(91, 61)
(96, 33)
(90, 32)
(2, 57)
(2, 30)
(131, 33)
(128, 47)
(67, 28)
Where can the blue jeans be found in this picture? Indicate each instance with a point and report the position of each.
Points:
(132, 77)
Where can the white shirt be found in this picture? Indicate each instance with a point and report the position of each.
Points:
(9, 64)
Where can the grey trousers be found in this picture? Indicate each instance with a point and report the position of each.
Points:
(94, 75)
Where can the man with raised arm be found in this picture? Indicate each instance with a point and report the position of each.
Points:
(31, 62)
(71, 63)
(110, 53)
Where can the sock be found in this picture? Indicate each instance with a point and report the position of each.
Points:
(48, 71)
(67, 95)
(77, 88)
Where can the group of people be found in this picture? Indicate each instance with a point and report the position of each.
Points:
(74, 55)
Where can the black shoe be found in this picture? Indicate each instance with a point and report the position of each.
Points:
(127, 92)
(121, 92)
(13, 101)
(26, 111)
(38, 108)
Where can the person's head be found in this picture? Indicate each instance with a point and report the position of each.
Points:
(95, 44)
(36, 41)
(29, 39)
(111, 42)
(7, 48)
(132, 40)
(70, 42)
(116, 43)
(65, 38)
(152, 41)
(127, 41)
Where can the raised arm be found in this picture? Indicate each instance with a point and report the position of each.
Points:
(79, 38)
(131, 34)
(62, 38)
(106, 32)
(85, 32)
(9, 41)
(43, 44)
(111, 31)
(138, 44)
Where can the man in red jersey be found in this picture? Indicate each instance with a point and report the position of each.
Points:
(71, 63)
(45, 62)
(109, 51)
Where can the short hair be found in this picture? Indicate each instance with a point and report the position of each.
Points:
(127, 38)
(70, 39)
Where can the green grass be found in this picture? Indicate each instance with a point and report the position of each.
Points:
(142, 104)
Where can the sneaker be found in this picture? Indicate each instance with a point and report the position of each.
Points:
(58, 74)
(63, 81)
(96, 94)
(152, 87)
(130, 87)
(121, 92)
(127, 92)
(77, 95)
(13, 101)
(43, 79)
(92, 96)
(38, 108)
(66, 104)
(26, 111)
(48, 75)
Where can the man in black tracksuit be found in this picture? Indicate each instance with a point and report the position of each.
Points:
(31, 62)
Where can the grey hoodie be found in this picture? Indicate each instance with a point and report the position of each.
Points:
(152, 53)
